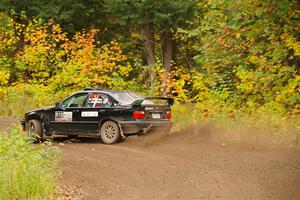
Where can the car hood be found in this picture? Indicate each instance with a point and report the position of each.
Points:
(40, 109)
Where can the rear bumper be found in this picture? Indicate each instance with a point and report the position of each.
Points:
(138, 127)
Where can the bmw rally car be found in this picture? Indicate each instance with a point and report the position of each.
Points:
(109, 114)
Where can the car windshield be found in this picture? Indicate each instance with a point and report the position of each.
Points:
(126, 98)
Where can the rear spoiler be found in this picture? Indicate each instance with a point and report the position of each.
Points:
(140, 101)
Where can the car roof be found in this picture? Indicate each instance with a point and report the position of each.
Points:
(103, 90)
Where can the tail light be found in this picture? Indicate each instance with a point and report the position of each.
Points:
(168, 115)
(138, 115)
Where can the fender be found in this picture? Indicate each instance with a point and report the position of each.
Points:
(114, 120)
(40, 117)
(34, 115)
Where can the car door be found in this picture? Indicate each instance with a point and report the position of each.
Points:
(97, 106)
(66, 118)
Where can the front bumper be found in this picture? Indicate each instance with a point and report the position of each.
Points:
(23, 123)
(138, 127)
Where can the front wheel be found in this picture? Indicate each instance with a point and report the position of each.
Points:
(35, 130)
(110, 132)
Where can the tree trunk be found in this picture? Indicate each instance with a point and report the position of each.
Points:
(150, 48)
(149, 43)
(20, 43)
(167, 46)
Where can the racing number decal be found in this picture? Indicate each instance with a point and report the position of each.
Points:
(62, 116)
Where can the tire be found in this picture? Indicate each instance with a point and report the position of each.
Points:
(110, 132)
(35, 131)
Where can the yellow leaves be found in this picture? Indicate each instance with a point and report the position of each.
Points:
(3, 91)
(98, 81)
(247, 81)
(136, 36)
(292, 43)
(4, 76)
(41, 42)
(125, 70)
(87, 64)
(254, 59)
(9, 42)
(8, 37)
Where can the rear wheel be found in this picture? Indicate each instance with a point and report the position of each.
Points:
(35, 130)
(110, 132)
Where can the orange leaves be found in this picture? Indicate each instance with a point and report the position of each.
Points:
(8, 38)
(176, 82)
(225, 31)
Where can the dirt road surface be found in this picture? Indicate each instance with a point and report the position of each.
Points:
(180, 166)
(183, 166)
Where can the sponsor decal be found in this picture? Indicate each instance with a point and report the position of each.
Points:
(89, 114)
(63, 116)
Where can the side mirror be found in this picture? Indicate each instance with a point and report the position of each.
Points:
(57, 105)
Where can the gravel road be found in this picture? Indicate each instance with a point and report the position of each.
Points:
(181, 166)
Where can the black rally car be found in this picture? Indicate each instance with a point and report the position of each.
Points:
(108, 113)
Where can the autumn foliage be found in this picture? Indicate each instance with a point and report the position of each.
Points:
(41, 53)
(231, 61)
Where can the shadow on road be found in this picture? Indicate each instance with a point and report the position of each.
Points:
(81, 139)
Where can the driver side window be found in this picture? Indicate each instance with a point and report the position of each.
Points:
(75, 101)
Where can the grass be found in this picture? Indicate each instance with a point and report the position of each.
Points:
(27, 171)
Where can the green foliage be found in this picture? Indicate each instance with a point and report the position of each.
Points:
(20, 98)
(27, 171)
(166, 13)
(7, 47)
(73, 14)
(235, 63)
(248, 53)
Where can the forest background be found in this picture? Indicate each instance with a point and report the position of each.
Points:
(227, 61)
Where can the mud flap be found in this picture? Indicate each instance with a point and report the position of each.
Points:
(121, 131)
